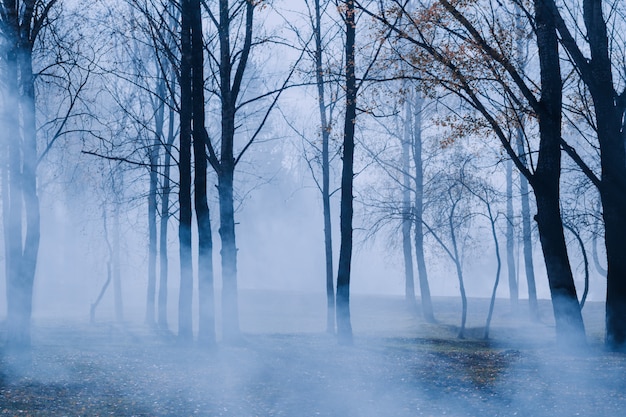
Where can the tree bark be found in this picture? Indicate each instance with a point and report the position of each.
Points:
(527, 234)
(407, 221)
(153, 157)
(521, 41)
(230, 302)
(510, 237)
(230, 88)
(185, 331)
(18, 320)
(118, 189)
(418, 207)
(165, 216)
(206, 322)
(609, 107)
(609, 112)
(569, 324)
(344, 325)
(20, 199)
(457, 263)
(494, 234)
(325, 130)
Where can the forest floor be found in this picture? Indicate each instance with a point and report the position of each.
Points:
(286, 365)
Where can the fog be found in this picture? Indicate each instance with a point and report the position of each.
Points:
(280, 240)
(102, 135)
(286, 364)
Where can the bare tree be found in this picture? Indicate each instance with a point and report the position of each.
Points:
(462, 79)
(344, 325)
(20, 27)
(609, 106)
(234, 24)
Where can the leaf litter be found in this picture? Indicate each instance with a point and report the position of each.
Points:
(115, 370)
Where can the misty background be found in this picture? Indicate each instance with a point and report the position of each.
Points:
(279, 218)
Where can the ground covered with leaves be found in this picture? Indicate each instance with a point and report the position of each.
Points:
(398, 366)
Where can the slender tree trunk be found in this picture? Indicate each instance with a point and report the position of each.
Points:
(510, 237)
(185, 330)
(527, 241)
(165, 216)
(107, 282)
(152, 251)
(206, 323)
(492, 303)
(594, 249)
(427, 306)
(229, 88)
(344, 325)
(4, 172)
(521, 47)
(407, 247)
(152, 207)
(118, 188)
(230, 304)
(325, 130)
(459, 270)
(328, 240)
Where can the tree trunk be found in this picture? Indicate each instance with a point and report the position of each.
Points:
(185, 330)
(18, 319)
(117, 242)
(152, 206)
(107, 282)
(609, 113)
(325, 130)
(569, 324)
(23, 230)
(492, 303)
(609, 108)
(344, 326)
(230, 303)
(165, 216)
(527, 234)
(522, 41)
(206, 322)
(459, 270)
(407, 247)
(225, 168)
(427, 306)
(21, 211)
(510, 237)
